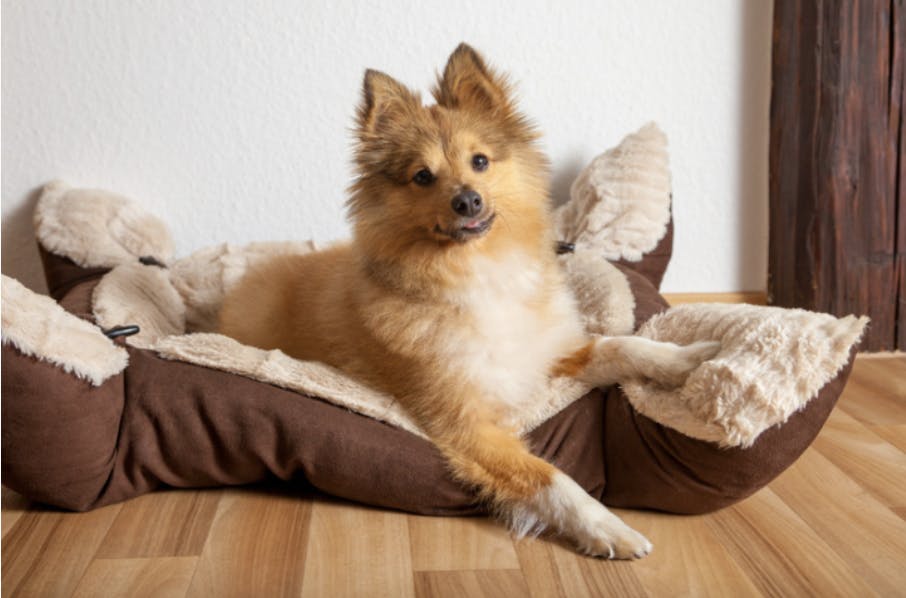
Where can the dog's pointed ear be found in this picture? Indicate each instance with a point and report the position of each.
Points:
(384, 100)
(468, 83)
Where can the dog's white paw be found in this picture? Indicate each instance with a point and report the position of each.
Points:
(613, 539)
(579, 517)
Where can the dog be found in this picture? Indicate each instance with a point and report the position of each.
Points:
(449, 296)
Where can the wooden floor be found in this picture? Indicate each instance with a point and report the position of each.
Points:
(833, 525)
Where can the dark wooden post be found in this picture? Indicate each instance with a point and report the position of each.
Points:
(837, 184)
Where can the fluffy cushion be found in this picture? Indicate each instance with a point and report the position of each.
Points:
(620, 203)
(112, 228)
(772, 362)
(37, 326)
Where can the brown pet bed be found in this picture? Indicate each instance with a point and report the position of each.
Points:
(88, 421)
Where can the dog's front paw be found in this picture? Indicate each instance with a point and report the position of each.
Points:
(683, 360)
(582, 519)
(614, 540)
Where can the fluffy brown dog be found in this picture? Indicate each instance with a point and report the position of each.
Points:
(449, 296)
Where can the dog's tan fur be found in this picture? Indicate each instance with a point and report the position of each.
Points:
(461, 327)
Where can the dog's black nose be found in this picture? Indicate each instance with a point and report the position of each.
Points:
(467, 203)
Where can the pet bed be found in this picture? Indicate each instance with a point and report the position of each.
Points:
(92, 414)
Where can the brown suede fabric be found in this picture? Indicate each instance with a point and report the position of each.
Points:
(654, 264)
(651, 466)
(169, 423)
(62, 274)
(199, 427)
(59, 432)
(648, 301)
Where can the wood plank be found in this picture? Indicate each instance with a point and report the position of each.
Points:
(357, 551)
(751, 297)
(474, 584)
(536, 559)
(866, 534)
(688, 559)
(166, 523)
(876, 392)
(780, 553)
(865, 457)
(256, 545)
(894, 435)
(882, 355)
(446, 544)
(12, 507)
(47, 552)
(584, 576)
(166, 577)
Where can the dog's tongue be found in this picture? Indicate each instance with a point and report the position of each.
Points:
(473, 224)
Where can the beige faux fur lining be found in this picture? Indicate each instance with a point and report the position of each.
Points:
(97, 228)
(312, 378)
(322, 381)
(772, 362)
(37, 326)
(136, 294)
(605, 300)
(620, 203)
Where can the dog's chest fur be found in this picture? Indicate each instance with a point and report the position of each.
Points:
(501, 332)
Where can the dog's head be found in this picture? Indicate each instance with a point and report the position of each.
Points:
(449, 174)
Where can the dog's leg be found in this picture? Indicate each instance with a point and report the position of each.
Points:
(607, 360)
(532, 494)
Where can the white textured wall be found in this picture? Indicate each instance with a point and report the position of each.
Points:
(231, 119)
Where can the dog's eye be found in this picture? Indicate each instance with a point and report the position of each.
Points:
(479, 162)
(423, 177)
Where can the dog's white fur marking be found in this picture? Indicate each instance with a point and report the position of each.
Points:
(501, 344)
(564, 506)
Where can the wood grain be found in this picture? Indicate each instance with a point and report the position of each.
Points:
(877, 392)
(866, 457)
(357, 551)
(470, 543)
(858, 527)
(688, 559)
(542, 577)
(835, 152)
(893, 435)
(582, 576)
(780, 553)
(477, 584)
(256, 546)
(13, 506)
(751, 297)
(47, 552)
(167, 577)
(169, 523)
